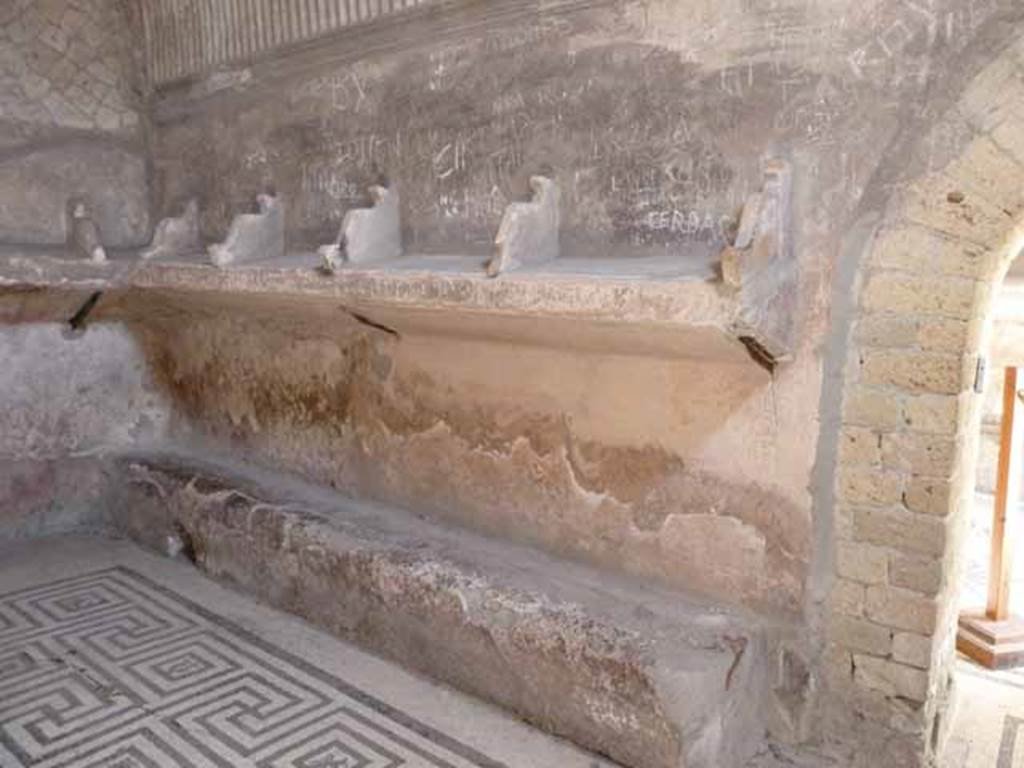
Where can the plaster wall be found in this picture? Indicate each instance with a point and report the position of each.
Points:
(923, 300)
(67, 403)
(665, 468)
(655, 118)
(655, 150)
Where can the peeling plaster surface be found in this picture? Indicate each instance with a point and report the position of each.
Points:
(545, 446)
(68, 401)
(68, 395)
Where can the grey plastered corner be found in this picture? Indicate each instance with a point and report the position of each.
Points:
(529, 232)
(253, 236)
(760, 265)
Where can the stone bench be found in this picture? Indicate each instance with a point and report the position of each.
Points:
(648, 677)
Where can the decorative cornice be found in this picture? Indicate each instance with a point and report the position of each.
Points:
(188, 38)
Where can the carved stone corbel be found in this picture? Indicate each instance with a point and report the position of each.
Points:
(83, 235)
(367, 235)
(253, 236)
(529, 232)
(177, 235)
(761, 267)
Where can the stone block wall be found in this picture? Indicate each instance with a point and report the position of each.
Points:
(911, 414)
(664, 467)
(900, 472)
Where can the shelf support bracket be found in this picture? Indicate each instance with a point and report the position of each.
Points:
(176, 235)
(760, 265)
(253, 236)
(84, 238)
(367, 235)
(529, 231)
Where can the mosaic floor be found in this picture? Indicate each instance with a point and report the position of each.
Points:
(989, 727)
(115, 668)
(113, 658)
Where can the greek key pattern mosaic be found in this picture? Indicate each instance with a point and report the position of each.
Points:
(110, 670)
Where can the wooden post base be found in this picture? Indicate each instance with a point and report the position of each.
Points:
(993, 644)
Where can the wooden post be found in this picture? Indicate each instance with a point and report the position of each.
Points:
(996, 639)
(1008, 485)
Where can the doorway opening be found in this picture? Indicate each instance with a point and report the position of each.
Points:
(989, 726)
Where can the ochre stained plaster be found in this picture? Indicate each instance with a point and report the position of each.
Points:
(570, 451)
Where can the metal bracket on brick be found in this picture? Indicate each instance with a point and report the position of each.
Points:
(760, 265)
(176, 235)
(529, 232)
(253, 236)
(367, 235)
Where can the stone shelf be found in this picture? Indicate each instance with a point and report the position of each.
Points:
(628, 306)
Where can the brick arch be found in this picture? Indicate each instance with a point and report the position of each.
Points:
(909, 422)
